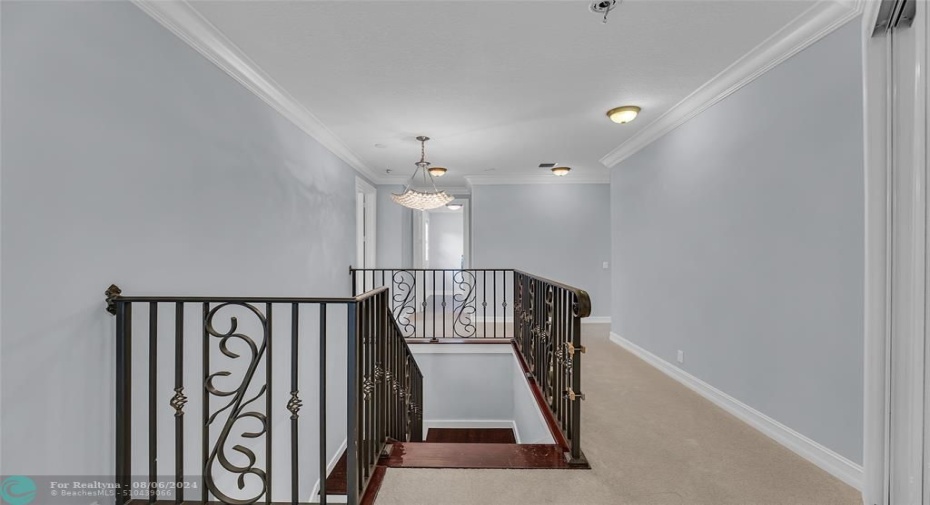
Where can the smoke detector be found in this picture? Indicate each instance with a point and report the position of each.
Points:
(603, 7)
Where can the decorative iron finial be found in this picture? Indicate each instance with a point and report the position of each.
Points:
(112, 293)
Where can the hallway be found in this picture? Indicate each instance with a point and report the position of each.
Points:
(650, 441)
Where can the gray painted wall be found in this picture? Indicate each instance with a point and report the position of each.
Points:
(129, 158)
(738, 238)
(394, 231)
(477, 385)
(558, 231)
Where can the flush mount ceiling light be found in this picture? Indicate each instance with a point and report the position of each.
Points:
(422, 200)
(561, 171)
(437, 171)
(623, 114)
(454, 206)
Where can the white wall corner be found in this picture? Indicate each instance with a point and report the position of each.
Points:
(181, 19)
(595, 320)
(833, 463)
(815, 23)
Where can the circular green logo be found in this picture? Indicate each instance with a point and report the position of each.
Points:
(18, 490)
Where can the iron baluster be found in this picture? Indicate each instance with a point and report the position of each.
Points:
(322, 400)
(123, 399)
(352, 445)
(205, 402)
(179, 400)
(153, 401)
(294, 404)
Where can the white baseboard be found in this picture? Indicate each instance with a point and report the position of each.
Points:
(482, 423)
(584, 320)
(837, 465)
(331, 498)
(500, 319)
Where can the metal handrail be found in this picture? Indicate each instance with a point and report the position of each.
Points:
(371, 333)
(547, 333)
(541, 316)
(440, 303)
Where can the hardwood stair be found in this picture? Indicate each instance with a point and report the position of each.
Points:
(486, 448)
(471, 455)
(471, 435)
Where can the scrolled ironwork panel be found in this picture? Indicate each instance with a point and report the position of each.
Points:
(464, 303)
(403, 297)
(236, 408)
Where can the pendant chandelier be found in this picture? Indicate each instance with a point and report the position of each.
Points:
(422, 200)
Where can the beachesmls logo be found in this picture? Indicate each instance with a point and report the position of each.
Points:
(18, 490)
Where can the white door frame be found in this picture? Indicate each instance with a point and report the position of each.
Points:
(466, 230)
(366, 201)
(420, 220)
(896, 460)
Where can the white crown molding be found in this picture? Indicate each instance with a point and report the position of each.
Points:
(815, 23)
(179, 17)
(485, 180)
(830, 461)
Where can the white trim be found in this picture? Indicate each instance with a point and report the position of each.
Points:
(538, 409)
(480, 423)
(509, 319)
(190, 26)
(812, 25)
(500, 319)
(329, 468)
(363, 186)
(456, 348)
(897, 400)
(490, 180)
(837, 465)
(419, 219)
(878, 196)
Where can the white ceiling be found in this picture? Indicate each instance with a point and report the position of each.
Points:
(500, 86)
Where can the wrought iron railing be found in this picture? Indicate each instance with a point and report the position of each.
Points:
(246, 427)
(548, 335)
(445, 303)
(542, 317)
(386, 374)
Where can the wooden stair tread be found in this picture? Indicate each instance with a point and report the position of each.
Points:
(471, 435)
(457, 455)
(336, 480)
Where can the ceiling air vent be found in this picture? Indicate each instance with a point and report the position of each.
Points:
(546, 165)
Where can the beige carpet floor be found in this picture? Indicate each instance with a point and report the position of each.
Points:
(650, 441)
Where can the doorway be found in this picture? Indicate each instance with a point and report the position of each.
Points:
(897, 400)
(441, 244)
(442, 238)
